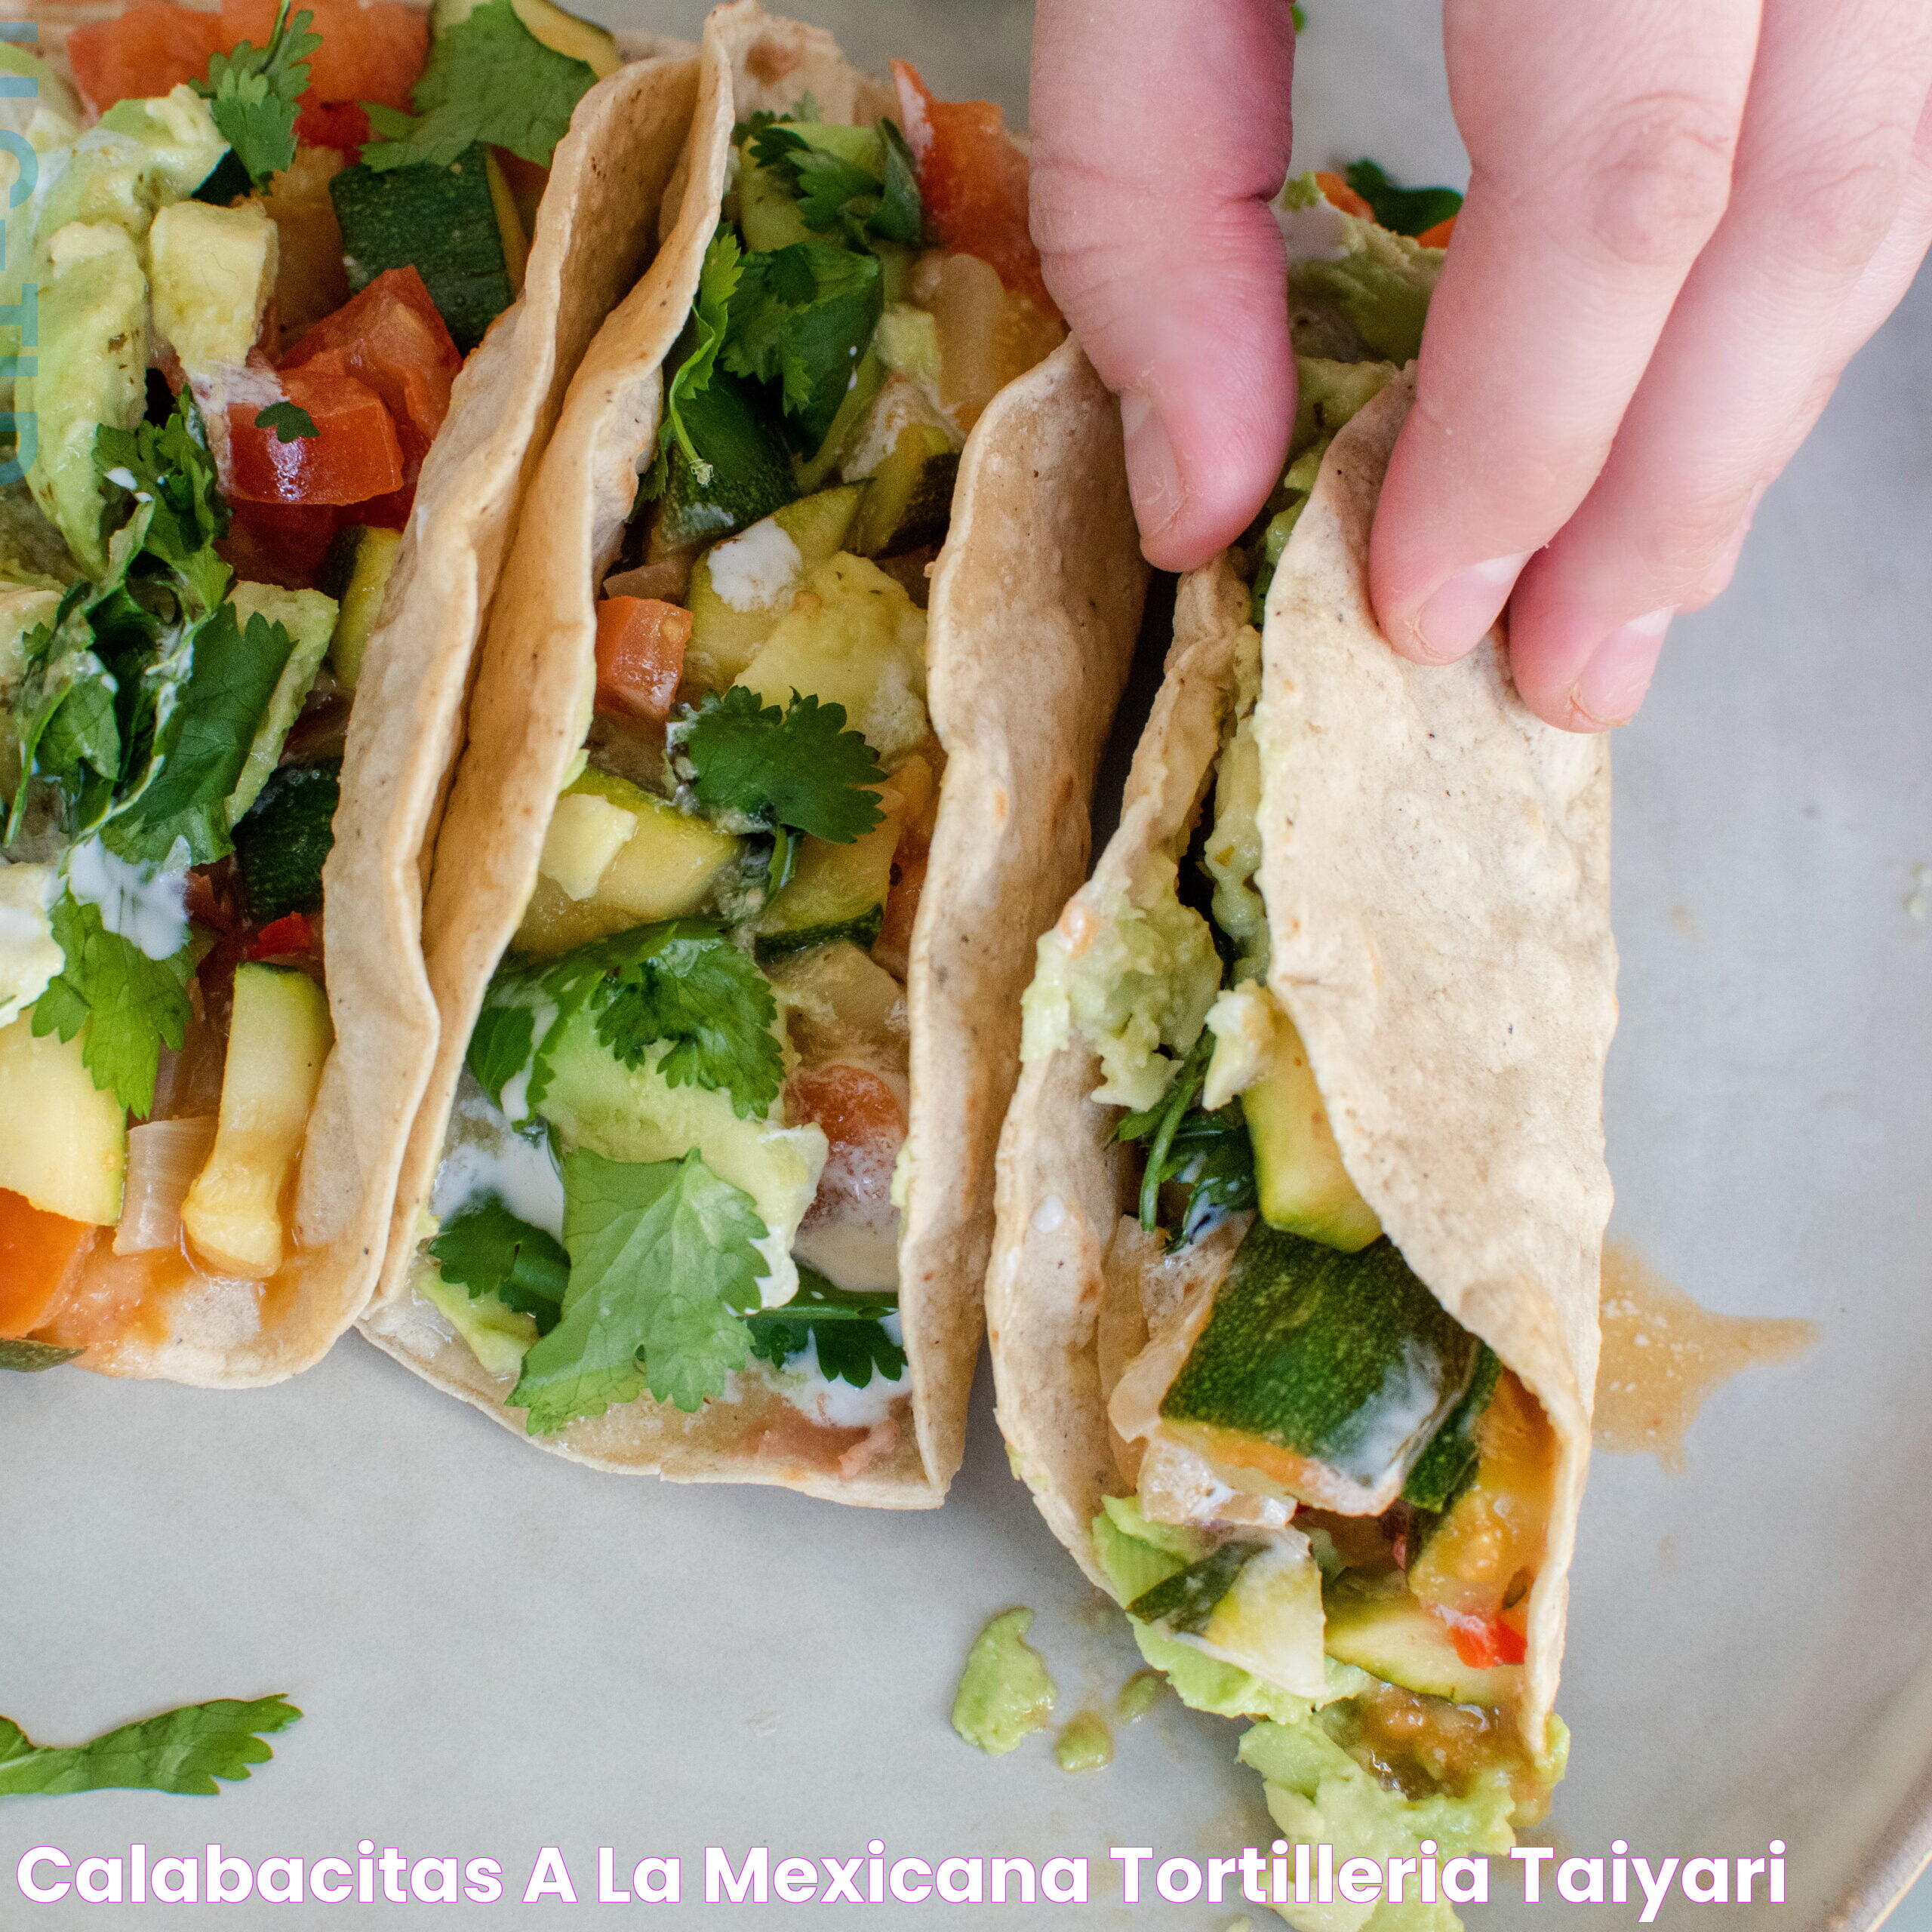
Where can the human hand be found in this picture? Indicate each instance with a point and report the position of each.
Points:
(1681, 223)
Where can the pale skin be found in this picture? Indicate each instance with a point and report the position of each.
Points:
(1683, 221)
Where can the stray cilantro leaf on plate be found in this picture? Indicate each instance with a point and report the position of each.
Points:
(131, 1005)
(857, 1335)
(28, 1358)
(663, 1269)
(489, 79)
(184, 1751)
(253, 95)
(685, 982)
(290, 421)
(1402, 210)
(799, 767)
(488, 1250)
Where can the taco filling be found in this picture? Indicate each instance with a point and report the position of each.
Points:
(244, 275)
(671, 1167)
(1332, 1500)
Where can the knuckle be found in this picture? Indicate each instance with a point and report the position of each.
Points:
(1654, 182)
(1833, 215)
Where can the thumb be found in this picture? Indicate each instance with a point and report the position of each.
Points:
(1160, 131)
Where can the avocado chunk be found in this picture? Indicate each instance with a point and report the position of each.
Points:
(91, 370)
(213, 269)
(1005, 1693)
(359, 578)
(1376, 1625)
(1303, 1186)
(309, 617)
(63, 1141)
(446, 222)
(278, 1041)
(1323, 1375)
(282, 845)
(645, 861)
(743, 585)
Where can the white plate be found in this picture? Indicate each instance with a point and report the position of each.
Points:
(499, 1652)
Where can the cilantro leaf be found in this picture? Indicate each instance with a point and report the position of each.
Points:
(28, 1358)
(710, 316)
(489, 79)
(1210, 1154)
(500, 1043)
(1402, 210)
(799, 767)
(131, 1005)
(684, 982)
(253, 95)
(290, 421)
(836, 195)
(171, 471)
(801, 316)
(183, 1751)
(663, 1267)
(856, 1336)
(488, 1250)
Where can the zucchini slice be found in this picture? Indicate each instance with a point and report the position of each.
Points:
(751, 468)
(1319, 1375)
(1375, 1624)
(1188, 1598)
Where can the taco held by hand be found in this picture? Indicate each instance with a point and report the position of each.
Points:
(281, 372)
(778, 764)
(1293, 1305)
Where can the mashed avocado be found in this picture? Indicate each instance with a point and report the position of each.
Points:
(1005, 1694)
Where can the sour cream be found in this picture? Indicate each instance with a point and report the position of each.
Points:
(484, 1157)
(29, 954)
(146, 905)
(752, 572)
(838, 1405)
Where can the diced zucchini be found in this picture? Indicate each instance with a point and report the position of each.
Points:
(1323, 1374)
(837, 893)
(1377, 1625)
(446, 221)
(1449, 1461)
(586, 833)
(563, 33)
(1270, 1622)
(908, 497)
(63, 1141)
(1188, 1599)
(743, 585)
(667, 866)
(361, 567)
(854, 638)
(510, 221)
(837, 994)
(1304, 1187)
(751, 468)
(282, 845)
(279, 1039)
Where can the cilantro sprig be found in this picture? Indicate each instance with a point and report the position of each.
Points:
(184, 1751)
(798, 767)
(838, 195)
(489, 79)
(662, 1268)
(1401, 210)
(290, 421)
(488, 1250)
(1210, 1153)
(254, 94)
(710, 317)
(856, 1336)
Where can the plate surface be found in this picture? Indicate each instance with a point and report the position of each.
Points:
(498, 1651)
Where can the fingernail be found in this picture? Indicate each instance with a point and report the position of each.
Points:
(1617, 674)
(1153, 476)
(1460, 609)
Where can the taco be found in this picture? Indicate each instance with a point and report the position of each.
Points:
(282, 373)
(1293, 1305)
(778, 764)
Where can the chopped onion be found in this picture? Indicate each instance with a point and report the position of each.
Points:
(163, 1157)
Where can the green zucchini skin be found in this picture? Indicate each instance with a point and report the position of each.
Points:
(1188, 1599)
(1443, 1471)
(751, 471)
(1346, 1362)
(862, 932)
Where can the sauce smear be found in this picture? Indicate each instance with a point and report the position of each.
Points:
(1663, 1356)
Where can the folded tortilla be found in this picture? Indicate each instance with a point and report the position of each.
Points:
(1034, 604)
(1434, 863)
(593, 237)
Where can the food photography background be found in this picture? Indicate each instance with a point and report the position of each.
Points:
(498, 1651)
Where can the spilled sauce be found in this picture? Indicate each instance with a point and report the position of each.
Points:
(1664, 1357)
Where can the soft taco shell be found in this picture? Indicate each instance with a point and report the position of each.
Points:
(593, 236)
(1034, 605)
(1435, 868)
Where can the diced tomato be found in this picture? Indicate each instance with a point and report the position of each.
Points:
(353, 455)
(292, 933)
(640, 656)
(371, 50)
(148, 50)
(1337, 193)
(1438, 237)
(973, 180)
(392, 338)
(1482, 1642)
(284, 543)
(340, 125)
(41, 1256)
(865, 1123)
